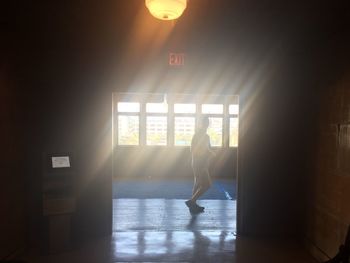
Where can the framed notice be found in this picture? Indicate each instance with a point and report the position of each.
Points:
(60, 161)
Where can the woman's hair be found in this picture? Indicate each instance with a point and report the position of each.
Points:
(203, 121)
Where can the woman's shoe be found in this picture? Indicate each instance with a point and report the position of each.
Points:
(194, 208)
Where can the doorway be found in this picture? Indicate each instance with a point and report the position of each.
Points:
(152, 174)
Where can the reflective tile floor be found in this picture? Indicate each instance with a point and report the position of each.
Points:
(159, 230)
(172, 215)
(163, 230)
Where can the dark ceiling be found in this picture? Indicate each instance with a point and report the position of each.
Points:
(75, 25)
(61, 38)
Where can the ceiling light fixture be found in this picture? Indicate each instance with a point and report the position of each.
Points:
(166, 9)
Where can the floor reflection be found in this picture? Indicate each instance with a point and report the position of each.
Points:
(158, 230)
(173, 245)
(164, 230)
(165, 215)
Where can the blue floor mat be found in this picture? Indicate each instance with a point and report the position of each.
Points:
(220, 190)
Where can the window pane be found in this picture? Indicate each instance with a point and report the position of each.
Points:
(233, 109)
(233, 132)
(184, 130)
(215, 131)
(184, 108)
(156, 130)
(212, 108)
(128, 107)
(128, 130)
(157, 107)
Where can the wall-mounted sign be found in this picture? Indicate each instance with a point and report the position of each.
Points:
(176, 59)
(60, 161)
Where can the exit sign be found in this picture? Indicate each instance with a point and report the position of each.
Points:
(176, 59)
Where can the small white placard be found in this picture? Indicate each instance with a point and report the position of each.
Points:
(60, 162)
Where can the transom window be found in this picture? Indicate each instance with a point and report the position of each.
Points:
(128, 107)
(212, 108)
(170, 120)
(184, 108)
(157, 107)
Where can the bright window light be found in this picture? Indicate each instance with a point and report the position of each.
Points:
(156, 107)
(128, 130)
(233, 132)
(128, 107)
(233, 109)
(184, 130)
(153, 122)
(184, 108)
(156, 130)
(212, 108)
(215, 131)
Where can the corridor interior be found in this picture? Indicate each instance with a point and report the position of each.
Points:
(99, 101)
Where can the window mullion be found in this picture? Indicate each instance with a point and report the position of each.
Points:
(171, 126)
(143, 124)
(225, 128)
(198, 114)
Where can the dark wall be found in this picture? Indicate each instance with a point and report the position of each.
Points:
(62, 106)
(273, 127)
(14, 175)
(13, 180)
(327, 217)
(279, 129)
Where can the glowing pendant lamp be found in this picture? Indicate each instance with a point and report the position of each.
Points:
(166, 9)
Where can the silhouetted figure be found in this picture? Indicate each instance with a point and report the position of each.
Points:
(343, 255)
(201, 155)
